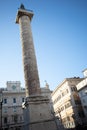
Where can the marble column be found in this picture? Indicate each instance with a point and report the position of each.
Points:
(31, 76)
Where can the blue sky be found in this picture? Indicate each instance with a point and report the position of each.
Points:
(59, 30)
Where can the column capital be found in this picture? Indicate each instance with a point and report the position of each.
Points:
(22, 11)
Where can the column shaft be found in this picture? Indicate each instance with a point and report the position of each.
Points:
(29, 59)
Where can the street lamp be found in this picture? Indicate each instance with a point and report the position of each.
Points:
(1, 107)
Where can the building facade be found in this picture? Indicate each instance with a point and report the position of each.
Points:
(12, 115)
(67, 104)
(82, 91)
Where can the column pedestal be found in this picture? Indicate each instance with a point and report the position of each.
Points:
(39, 114)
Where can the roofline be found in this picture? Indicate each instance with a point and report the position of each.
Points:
(66, 79)
(84, 69)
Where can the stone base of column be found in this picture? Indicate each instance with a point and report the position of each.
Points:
(39, 114)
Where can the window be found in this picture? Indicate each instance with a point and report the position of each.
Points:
(5, 120)
(84, 100)
(67, 105)
(15, 118)
(57, 99)
(22, 99)
(73, 88)
(20, 118)
(64, 119)
(14, 109)
(62, 108)
(14, 100)
(68, 118)
(85, 107)
(5, 101)
(65, 92)
(62, 93)
(81, 93)
(5, 110)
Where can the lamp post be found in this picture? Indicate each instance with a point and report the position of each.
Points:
(1, 107)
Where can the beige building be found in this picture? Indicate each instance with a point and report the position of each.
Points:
(82, 90)
(67, 104)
